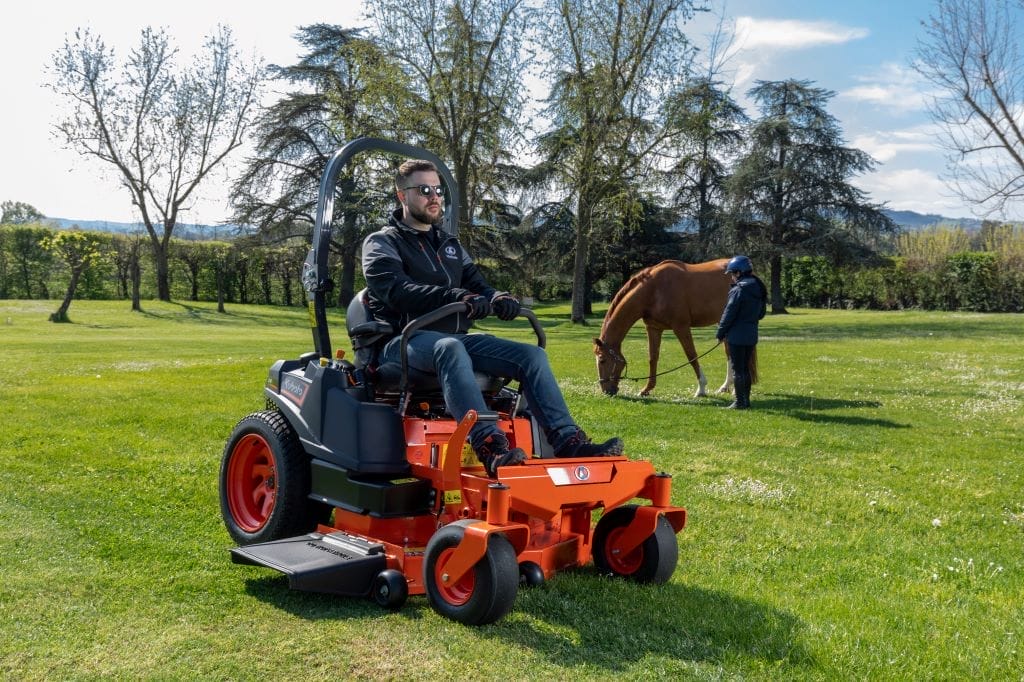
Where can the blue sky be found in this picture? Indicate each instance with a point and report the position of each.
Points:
(860, 50)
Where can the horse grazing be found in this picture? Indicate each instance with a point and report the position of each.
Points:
(670, 295)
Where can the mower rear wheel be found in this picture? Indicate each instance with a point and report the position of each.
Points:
(264, 482)
(653, 561)
(487, 591)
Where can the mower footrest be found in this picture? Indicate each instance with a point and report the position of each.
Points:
(336, 563)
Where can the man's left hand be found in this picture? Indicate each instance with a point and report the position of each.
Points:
(506, 307)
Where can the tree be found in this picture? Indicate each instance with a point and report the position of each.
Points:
(18, 213)
(465, 62)
(971, 52)
(128, 264)
(77, 250)
(161, 128)
(790, 193)
(30, 263)
(613, 68)
(711, 127)
(349, 88)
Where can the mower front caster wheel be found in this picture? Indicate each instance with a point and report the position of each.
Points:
(390, 589)
(652, 562)
(531, 574)
(485, 593)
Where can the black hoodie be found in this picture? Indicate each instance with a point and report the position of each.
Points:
(410, 273)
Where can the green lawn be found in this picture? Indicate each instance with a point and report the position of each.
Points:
(864, 521)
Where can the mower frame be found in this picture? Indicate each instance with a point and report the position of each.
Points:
(348, 492)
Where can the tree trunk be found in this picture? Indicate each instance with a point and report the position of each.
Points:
(62, 312)
(136, 284)
(579, 271)
(778, 304)
(163, 279)
(194, 269)
(349, 249)
(220, 288)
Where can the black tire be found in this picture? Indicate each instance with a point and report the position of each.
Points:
(653, 561)
(530, 574)
(390, 589)
(486, 593)
(264, 482)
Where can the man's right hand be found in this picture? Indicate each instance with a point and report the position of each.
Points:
(479, 306)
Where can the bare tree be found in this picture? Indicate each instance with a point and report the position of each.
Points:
(614, 67)
(971, 53)
(162, 128)
(466, 61)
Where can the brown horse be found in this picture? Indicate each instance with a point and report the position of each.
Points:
(670, 295)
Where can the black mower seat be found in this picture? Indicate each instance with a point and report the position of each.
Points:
(368, 337)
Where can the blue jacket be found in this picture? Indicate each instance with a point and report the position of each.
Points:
(746, 305)
(410, 273)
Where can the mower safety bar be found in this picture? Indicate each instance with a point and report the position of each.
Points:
(316, 274)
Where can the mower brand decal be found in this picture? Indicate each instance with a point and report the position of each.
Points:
(294, 388)
(572, 475)
(453, 497)
(559, 475)
(450, 252)
(330, 550)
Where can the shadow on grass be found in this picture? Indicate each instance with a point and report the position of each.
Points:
(815, 409)
(207, 314)
(803, 407)
(579, 618)
(273, 589)
(610, 623)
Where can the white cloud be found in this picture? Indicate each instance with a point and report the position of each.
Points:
(790, 34)
(893, 86)
(886, 145)
(912, 189)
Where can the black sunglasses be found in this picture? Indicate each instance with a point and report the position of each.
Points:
(427, 190)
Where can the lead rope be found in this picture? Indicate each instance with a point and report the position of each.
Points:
(667, 371)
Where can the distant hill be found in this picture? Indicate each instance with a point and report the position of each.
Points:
(181, 231)
(914, 220)
(908, 219)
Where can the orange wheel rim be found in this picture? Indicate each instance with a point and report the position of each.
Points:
(459, 592)
(623, 564)
(251, 485)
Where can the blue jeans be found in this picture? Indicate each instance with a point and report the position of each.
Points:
(454, 357)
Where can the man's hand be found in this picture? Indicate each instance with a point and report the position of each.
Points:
(506, 307)
(479, 306)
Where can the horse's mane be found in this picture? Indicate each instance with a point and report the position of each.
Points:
(631, 284)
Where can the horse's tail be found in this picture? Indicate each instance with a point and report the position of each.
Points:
(753, 366)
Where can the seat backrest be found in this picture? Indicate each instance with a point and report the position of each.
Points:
(366, 333)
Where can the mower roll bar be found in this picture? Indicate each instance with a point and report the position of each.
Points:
(440, 313)
(316, 277)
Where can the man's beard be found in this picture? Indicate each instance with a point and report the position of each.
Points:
(424, 217)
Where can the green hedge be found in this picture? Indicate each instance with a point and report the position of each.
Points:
(975, 280)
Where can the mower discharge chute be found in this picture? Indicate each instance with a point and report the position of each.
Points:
(356, 481)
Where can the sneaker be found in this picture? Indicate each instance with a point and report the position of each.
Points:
(579, 445)
(494, 452)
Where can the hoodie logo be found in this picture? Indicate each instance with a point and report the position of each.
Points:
(451, 252)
